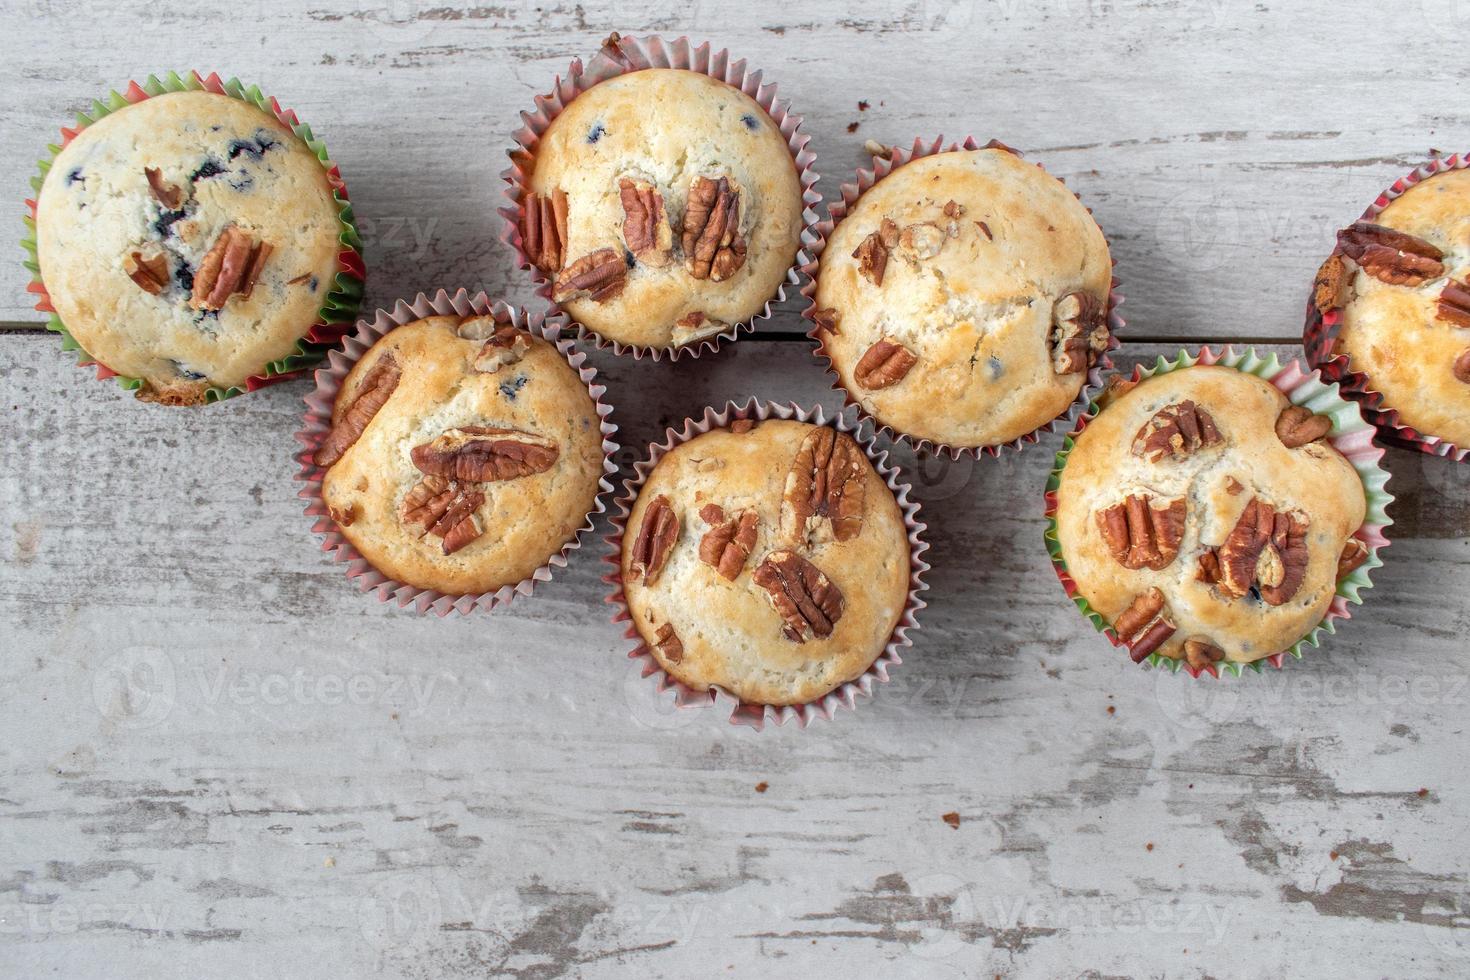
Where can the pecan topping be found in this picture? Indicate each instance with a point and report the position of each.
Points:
(164, 193)
(445, 509)
(885, 364)
(1209, 567)
(600, 275)
(506, 345)
(953, 209)
(1454, 303)
(1079, 332)
(826, 319)
(1200, 653)
(728, 543)
(1142, 534)
(484, 454)
(998, 145)
(742, 426)
(1354, 553)
(1267, 550)
(823, 499)
(872, 252)
(231, 266)
(544, 231)
(150, 272)
(1296, 426)
(1144, 625)
(694, 326)
(666, 641)
(1233, 486)
(1390, 256)
(713, 246)
(655, 540)
(1462, 366)
(645, 223)
(1328, 286)
(1177, 431)
(371, 395)
(806, 599)
(344, 516)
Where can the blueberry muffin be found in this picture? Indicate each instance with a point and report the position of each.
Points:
(768, 559)
(463, 454)
(664, 206)
(188, 241)
(1402, 286)
(963, 298)
(1205, 517)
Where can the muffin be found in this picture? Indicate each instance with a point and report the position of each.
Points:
(767, 559)
(1400, 285)
(463, 454)
(664, 206)
(1207, 518)
(963, 298)
(189, 241)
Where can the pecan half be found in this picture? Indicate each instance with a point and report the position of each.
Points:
(826, 319)
(823, 498)
(600, 275)
(807, 600)
(645, 223)
(872, 252)
(164, 193)
(506, 345)
(1176, 430)
(445, 509)
(655, 541)
(149, 272)
(1462, 367)
(1354, 554)
(1267, 550)
(1297, 425)
(485, 454)
(666, 641)
(231, 266)
(713, 246)
(728, 543)
(544, 230)
(1454, 303)
(1079, 332)
(885, 364)
(1200, 653)
(1145, 625)
(1330, 282)
(1141, 533)
(370, 396)
(1390, 256)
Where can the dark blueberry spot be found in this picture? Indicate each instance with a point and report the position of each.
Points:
(750, 122)
(201, 315)
(628, 258)
(207, 169)
(164, 224)
(595, 133)
(509, 388)
(75, 176)
(186, 373)
(996, 370)
(185, 278)
(312, 284)
(215, 128)
(243, 184)
(255, 149)
(1255, 593)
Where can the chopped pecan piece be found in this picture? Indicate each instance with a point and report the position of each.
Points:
(645, 223)
(742, 426)
(170, 196)
(1354, 554)
(1233, 486)
(599, 275)
(1267, 550)
(1176, 430)
(1328, 286)
(1462, 366)
(344, 516)
(713, 246)
(1454, 303)
(1297, 425)
(655, 541)
(885, 364)
(823, 498)
(232, 265)
(372, 393)
(666, 641)
(544, 230)
(998, 145)
(427, 501)
(1079, 332)
(1141, 533)
(1209, 566)
(1144, 626)
(485, 454)
(808, 601)
(872, 252)
(1390, 256)
(953, 209)
(149, 272)
(922, 240)
(826, 319)
(695, 326)
(506, 346)
(1200, 653)
(445, 509)
(728, 543)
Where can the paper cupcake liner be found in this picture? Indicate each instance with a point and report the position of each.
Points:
(318, 421)
(1351, 435)
(758, 715)
(1319, 337)
(340, 304)
(814, 242)
(624, 55)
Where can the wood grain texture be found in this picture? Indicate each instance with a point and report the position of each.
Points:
(217, 758)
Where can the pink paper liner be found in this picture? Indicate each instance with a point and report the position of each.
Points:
(815, 242)
(620, 56)
(1354, 447)
(845, 695)
(1319, 337)
(318, 419)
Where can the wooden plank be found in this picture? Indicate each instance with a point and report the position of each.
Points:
(215, 754)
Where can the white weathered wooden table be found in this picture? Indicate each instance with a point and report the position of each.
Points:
(217, 758)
